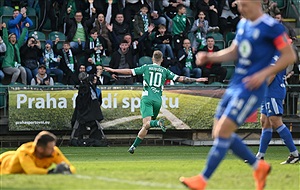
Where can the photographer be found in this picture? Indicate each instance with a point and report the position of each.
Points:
(30, 53)
(87, 114)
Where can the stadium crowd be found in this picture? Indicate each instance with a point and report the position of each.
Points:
(114, 33)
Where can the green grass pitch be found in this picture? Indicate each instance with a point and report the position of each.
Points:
(154, 167)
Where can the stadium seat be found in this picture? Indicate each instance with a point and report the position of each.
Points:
(6, 13)
(216, 35)
(145, 60)
(6, 10)
(190, 15)
(105, 60)
(230, 72)
(219, 40)
(55, 34)
(3, 94)
(228, 38)
(281, 4)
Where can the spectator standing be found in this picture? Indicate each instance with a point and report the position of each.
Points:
(180, 27)
(94, 50)
(228, 15)
(123, 59)
(119, 29)
(78, 27)
(141, 23)
(156, 12)
(12, 61)
(187, 59)
(42, 78)
(52, 61)
(101, 26)
(210, 67)
(18, 21)
(199, 28)
(68, 61)
(210, 9)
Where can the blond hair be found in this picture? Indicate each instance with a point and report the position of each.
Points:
(157, 56)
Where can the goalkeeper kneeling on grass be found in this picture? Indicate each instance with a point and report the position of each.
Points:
(36, 157)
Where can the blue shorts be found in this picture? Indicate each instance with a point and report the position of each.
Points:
(238, 103)
(272, 107)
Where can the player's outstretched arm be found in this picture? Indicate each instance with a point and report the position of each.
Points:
(120, 71)
(227, 54)
(185, 79)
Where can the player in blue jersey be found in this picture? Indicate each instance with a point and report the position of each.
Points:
(271, 117)
(258, 37)
(154, 77)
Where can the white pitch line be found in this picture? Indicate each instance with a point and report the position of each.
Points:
(141, 183)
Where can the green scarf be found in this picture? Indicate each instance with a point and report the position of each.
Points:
(189, 59)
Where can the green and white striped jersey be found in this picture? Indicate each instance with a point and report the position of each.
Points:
(154, 77)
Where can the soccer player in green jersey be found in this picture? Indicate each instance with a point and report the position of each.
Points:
(154, 77)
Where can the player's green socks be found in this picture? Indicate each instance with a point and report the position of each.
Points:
(137, 142)
(154, 123)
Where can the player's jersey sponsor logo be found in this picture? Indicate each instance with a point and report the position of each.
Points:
(245, 49)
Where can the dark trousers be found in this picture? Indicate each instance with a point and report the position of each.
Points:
(219, 71)
(47, 11)
(228, 24)
(130, 10)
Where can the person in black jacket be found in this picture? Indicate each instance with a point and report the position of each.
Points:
(78, 27)
(210, 68)
(30, 53)
(187, 60)
(94, 49)
(123, 59)
(68, 61)
(228, 15)
(209, 8)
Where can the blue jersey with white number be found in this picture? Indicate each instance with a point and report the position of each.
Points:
(257, 43)
(277, 87)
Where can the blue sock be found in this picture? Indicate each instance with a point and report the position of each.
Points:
(265, 138)
(286, 136)
(216, 155)
(241, 150)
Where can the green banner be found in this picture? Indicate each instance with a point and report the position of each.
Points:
(51, 109)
